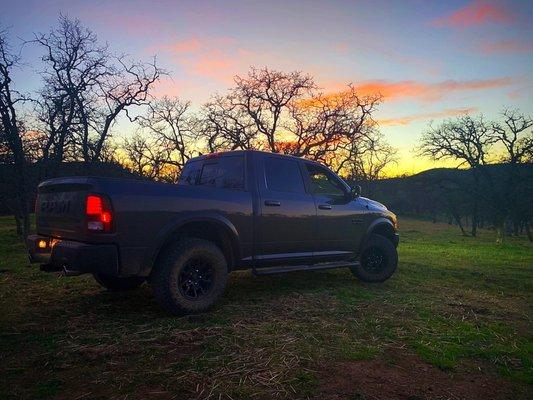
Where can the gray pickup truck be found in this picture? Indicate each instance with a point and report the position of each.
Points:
(234, 210)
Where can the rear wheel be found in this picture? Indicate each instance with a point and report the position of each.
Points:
(116, 284)
(190, 276)
(378, 260)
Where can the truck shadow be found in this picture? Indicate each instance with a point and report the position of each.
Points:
(244, 290)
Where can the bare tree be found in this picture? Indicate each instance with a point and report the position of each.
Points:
(227, 126)
(75, 65)
(468, 141)
(369, 158)
(283, 112)
(173, 128)
(516, 137)
(128, 85)
(147, 158)
(500, 189)
(11, 137)
(328, 128)
(85, 90)
(263, 96)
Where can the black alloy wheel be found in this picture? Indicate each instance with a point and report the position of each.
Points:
(374, 260)
(196, 279)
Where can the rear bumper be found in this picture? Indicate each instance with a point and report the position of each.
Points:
(66, 255)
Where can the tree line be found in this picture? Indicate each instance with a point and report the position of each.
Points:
(498, 187)
(87, 92)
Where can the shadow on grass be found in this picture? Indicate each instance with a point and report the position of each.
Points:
(244, 291)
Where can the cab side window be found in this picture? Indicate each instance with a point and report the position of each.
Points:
(324, 182)
(189, 174)
(224, 173)
(283, 175)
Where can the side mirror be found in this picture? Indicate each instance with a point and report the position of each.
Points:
(355, 192)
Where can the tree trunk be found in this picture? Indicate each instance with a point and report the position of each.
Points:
(458, 220)
(474, 223)
(22, 220)
(516, 227)
(500, 230)
(528, 231)
(18, 222)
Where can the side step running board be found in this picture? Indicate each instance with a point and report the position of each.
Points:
(313, 267)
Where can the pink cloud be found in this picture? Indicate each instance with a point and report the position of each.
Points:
(218, 58)
(477, 12)
(185, 46)
(426, 116)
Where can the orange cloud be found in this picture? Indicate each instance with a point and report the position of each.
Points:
(506, 46)
(475, 13)
(427, 116)
(427, 91)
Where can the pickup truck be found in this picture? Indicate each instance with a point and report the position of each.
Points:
(229, 211)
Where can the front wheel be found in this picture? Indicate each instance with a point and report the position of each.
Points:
(190, 276)
(378, 261)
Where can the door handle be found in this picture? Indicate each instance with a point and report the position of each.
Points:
(272, 203)
(324, 206)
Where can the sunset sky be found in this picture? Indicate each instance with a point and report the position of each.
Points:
(430, 59)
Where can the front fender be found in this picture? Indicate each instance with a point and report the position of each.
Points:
(383, 226)
(379, 221)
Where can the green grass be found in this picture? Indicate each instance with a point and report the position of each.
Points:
(458, 303)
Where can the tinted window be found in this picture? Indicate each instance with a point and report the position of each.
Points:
(189, 173)
(226, 173)
(283, 175)
(324, 182)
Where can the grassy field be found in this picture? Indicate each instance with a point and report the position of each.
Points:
(453, 322)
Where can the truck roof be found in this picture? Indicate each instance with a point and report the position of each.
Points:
(236, 152)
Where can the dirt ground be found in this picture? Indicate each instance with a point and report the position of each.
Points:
(402, 377)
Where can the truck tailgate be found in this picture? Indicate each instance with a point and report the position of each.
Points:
(60, 207)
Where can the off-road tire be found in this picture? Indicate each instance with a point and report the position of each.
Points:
(116, 284)
(166, 275)
(380, 246)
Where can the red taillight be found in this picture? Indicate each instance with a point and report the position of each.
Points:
(105, 217)
(94, 205)
(99, 214)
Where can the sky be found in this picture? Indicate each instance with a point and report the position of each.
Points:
(431, 60)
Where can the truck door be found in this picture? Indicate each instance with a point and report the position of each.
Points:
(287, 211)
(340, 219)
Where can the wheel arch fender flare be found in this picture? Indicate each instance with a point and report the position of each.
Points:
(376, 225)
(174, 226)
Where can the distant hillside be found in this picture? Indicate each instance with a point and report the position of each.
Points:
(423, 193)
